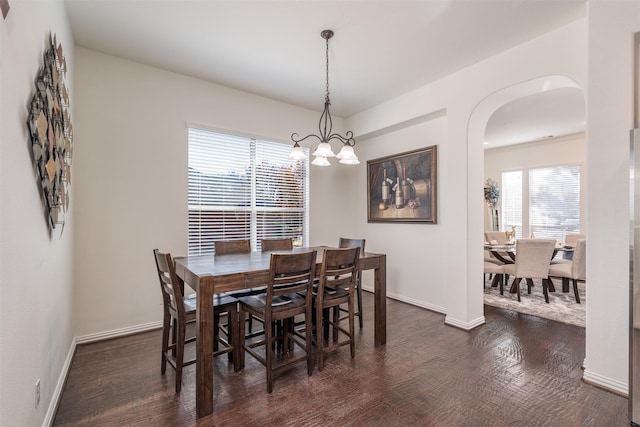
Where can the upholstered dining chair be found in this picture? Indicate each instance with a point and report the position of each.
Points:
(269, 245)
(290, 275)
(345, 242)
(497, 271)
(336, 287)
(533, 257)
(576, 270)
(571, 240)
(180, 311)
(500, 237)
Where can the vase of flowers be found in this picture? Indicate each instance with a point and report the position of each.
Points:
(491, 196)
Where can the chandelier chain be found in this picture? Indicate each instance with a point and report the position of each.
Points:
(327, 68)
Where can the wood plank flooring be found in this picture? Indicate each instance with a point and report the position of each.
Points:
(516, 370)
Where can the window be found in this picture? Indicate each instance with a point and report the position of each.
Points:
(512, 201)
(243, 188)
(554, 201)
(543, 201)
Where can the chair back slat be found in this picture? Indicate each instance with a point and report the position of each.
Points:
(227, 247)
(339, 268)
(290, 274)
(269, 245)
(171, 292)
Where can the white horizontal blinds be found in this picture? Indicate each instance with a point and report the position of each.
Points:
(242, 188)
(554, 201)
(219, 189)
(512, 201)
(281, 201)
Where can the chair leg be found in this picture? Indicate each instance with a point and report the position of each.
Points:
(268, 351)
(545, 290)
(242, 330)
(308, 330)
(234, 338)
(529, 285)
(516, 283)
(320, 337)
(166, 331)
(336, 321)
(359, 290)
(352, 332)
(180, 355)
(575, 290)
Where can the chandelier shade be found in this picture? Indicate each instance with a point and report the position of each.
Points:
(325, 127)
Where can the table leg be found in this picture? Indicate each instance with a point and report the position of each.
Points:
(380, 311)
(204, 351)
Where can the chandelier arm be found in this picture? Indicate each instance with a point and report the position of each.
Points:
(296, 138)
(346, 140)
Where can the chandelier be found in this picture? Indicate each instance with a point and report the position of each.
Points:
(323, 151)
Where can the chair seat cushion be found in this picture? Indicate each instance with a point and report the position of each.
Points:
(279, 303)
(509, 269)
(560, 270)
(492, 268)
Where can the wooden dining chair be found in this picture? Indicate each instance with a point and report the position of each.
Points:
(290, 275)
(336, 288)
(575, 270)
(228, 247)
(180, 311)
(533, 257)
(232, 247)
(353, 243)
(269, 245)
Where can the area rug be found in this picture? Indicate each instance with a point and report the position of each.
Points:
(562, 307)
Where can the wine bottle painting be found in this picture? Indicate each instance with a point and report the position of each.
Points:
(402, 187)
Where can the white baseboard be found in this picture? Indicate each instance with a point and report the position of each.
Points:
(418, 303)
(606, 383)
(467, 326)
(118, 332)
(57, 393)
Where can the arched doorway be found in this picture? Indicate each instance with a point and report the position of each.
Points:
(478, 121)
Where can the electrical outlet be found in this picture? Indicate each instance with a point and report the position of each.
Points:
(37, 392)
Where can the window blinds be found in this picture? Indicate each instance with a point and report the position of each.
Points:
(243, 188)
(554, 201)
(512, 201)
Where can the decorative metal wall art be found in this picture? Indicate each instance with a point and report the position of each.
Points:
(51, 133)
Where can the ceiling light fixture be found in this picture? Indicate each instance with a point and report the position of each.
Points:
(346, 154)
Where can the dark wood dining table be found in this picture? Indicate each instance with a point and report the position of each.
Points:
(209, 275)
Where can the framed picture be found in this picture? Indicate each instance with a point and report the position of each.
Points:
(402, 187)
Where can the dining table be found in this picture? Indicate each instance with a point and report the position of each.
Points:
(208, 275)
(506, 253)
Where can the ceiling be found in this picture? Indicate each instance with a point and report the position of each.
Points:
(381, 49)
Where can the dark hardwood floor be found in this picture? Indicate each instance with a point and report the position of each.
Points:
(516, 370)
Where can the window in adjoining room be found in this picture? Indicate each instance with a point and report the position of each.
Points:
(544, 201)
(244, 188)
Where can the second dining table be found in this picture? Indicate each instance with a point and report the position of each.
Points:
(506, 253)
(209, 275)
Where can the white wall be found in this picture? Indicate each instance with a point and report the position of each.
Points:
(567, 150)
(131, 177)
(610, 114)
(35, 269)
(461, 175)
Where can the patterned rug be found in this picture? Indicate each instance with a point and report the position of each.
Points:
(562, 307)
